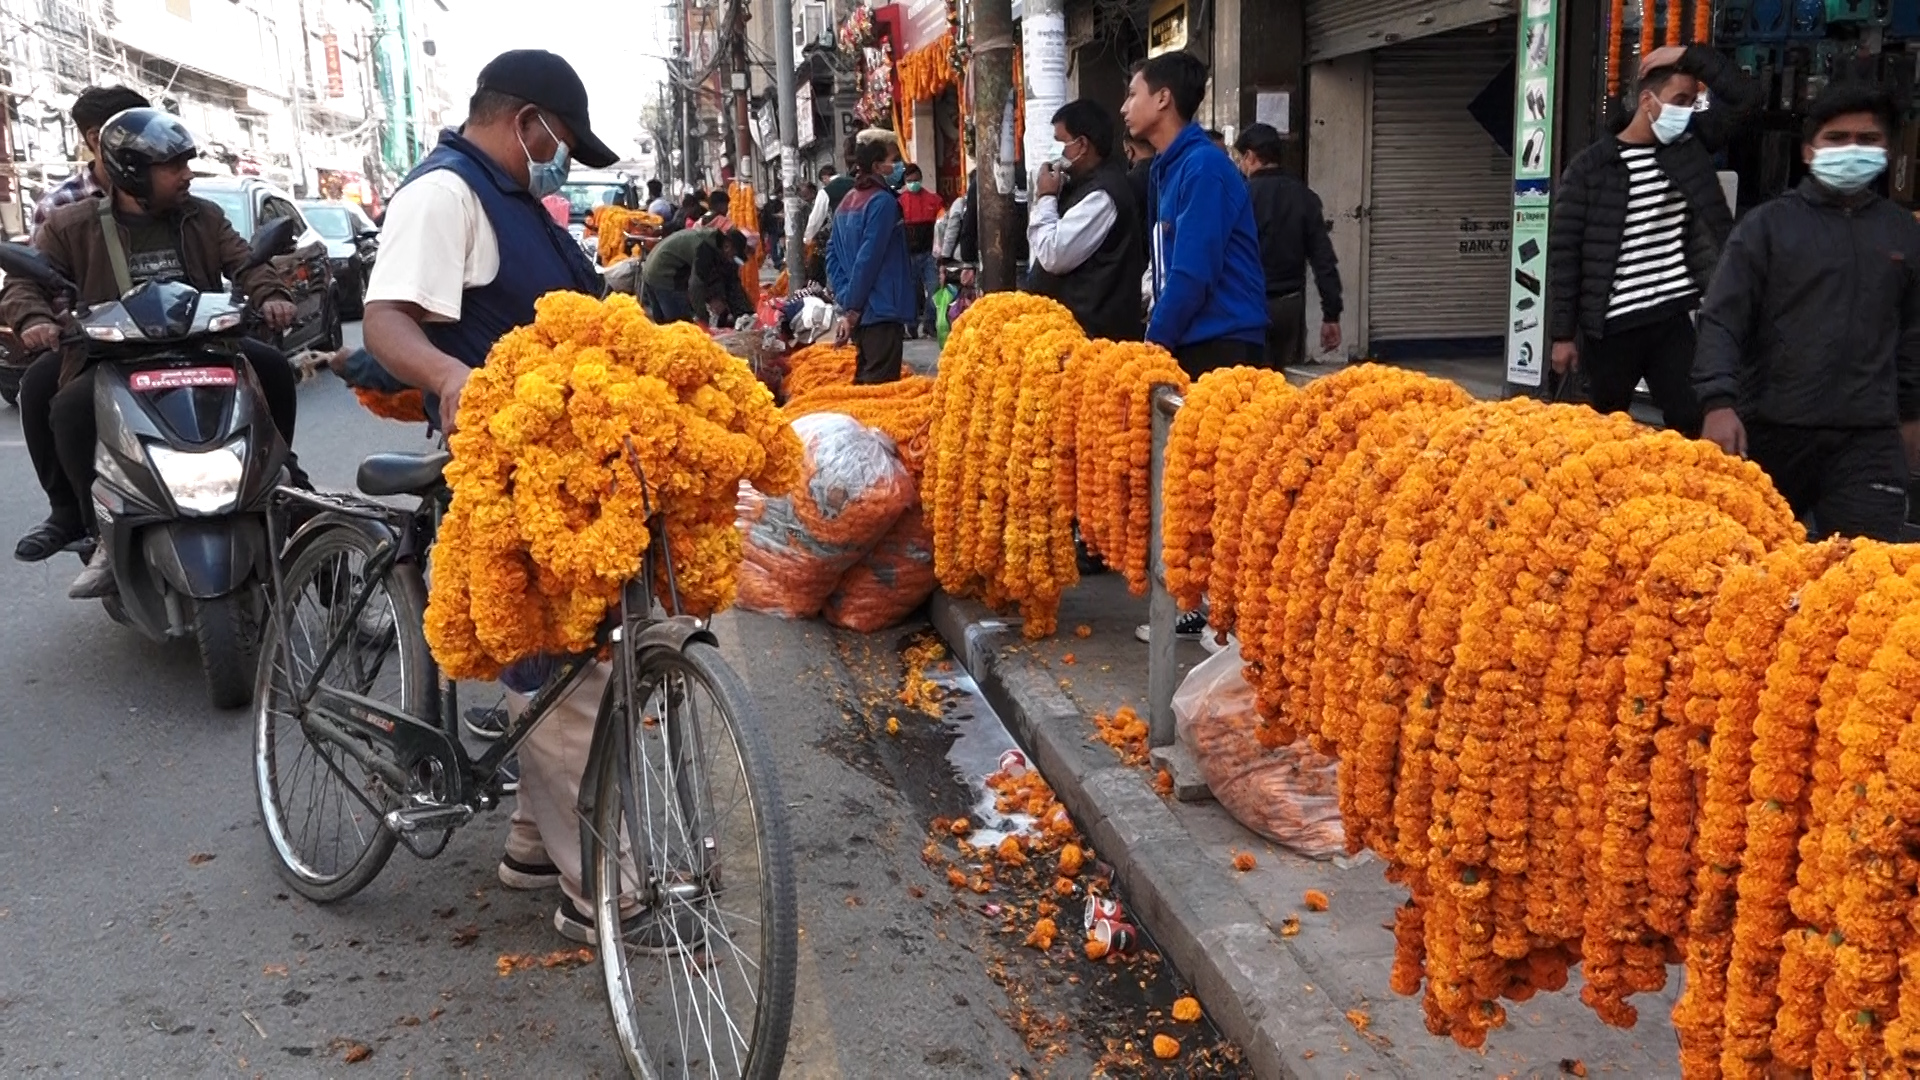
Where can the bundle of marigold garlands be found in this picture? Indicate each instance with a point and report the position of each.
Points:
(548, 517)
(1595, 699)
(1035, 427)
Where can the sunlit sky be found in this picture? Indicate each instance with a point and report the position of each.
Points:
(604, 42)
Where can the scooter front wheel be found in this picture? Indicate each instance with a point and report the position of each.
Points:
(228, 632)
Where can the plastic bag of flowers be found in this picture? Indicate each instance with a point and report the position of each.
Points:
(852, 490)
(890, 582)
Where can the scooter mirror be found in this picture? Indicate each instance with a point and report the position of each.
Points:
(19, 260)
(273, 239)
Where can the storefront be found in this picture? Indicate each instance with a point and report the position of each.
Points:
(1411, 151)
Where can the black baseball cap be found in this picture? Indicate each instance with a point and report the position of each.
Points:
(542, 78)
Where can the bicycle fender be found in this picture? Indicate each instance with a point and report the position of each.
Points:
(303, 536)
(675, 633)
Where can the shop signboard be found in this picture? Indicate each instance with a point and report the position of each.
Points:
(1533, 141)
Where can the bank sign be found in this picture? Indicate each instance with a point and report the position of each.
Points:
(1533, 113)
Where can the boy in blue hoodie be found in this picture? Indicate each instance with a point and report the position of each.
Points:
(867, 263)
(1209, 288)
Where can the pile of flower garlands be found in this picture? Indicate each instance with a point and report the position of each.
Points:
(1033, 427)
(609, 225)
(903, 409)
(816, 366)
(548, 518)
(744, 211)
(1595, 701)
(406, 406)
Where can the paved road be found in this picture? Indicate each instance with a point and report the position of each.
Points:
(129, 952)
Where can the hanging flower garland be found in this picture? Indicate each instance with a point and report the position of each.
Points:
(744, 208)
(1702, 22)
(1616, 28)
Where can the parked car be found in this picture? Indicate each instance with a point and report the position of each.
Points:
(249, 203)
(353, 240)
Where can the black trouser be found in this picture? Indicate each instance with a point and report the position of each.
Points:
(1203, 356)
(665, 306)
(1662, 354)
(1287, 329)
(1839, 481)
(74, 430)
(38, 385)
(882, 348)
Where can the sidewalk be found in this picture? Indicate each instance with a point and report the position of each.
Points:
(1292, 1003)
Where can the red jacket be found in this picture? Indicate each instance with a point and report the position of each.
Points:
(918, 211)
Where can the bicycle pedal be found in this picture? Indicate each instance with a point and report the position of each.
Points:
(428, 816)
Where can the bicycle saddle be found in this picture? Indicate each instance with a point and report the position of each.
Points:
(402, 474)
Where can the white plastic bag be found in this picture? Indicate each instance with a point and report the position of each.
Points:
(1288, 794)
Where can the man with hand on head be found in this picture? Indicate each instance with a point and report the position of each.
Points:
(1084, 230)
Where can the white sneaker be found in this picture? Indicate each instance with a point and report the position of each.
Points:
(96, 581)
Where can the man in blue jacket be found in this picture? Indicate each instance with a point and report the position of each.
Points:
(1209, 288)
(867, 263)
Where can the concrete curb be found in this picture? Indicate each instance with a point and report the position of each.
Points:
(1247, 977)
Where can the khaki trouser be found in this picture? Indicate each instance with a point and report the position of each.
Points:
(553, 760)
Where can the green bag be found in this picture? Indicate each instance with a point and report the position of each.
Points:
(943, 298)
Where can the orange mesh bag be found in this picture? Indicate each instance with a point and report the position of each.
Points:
(797, 547)
(890, 582)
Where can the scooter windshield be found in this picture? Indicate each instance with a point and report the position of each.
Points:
(163, 310)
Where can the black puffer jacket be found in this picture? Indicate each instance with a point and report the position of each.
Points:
(1814, 316)
(1590, 202)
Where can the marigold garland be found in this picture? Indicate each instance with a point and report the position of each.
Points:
(406, 406)
(816, 366)
(548, 520)
(903, 409)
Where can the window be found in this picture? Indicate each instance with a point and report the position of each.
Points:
(273, 208)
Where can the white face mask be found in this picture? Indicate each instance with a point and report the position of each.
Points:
(1671, 122)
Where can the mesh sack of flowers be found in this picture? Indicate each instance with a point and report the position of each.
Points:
(890, 582)
(549, 515)
(852, 489)
(903, 409)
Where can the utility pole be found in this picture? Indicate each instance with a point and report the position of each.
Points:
(1043, 65)
(742, 83)
(786, 96)
(992, 79)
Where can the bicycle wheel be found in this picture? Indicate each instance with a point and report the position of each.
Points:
(690, 844)
(327, 842)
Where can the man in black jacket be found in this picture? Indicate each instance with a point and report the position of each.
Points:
(1293, 233)
(1809, 359)
(1638, 223)
(1084, 230)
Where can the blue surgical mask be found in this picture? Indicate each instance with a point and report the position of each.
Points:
(545, 178)
(1671, 122)
(1847, 169)
(898, 174)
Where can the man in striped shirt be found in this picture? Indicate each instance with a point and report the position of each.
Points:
(1639, 220)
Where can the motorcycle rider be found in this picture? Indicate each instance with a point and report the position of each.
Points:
(41, 379)
(159, 232)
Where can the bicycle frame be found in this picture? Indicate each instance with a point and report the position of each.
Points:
(357, 724)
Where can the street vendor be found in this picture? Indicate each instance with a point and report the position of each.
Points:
(467, 249)
(696, 271)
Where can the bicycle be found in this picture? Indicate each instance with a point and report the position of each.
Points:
(346, 674)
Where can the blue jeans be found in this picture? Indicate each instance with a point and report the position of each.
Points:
(926, 270)
(665, 306)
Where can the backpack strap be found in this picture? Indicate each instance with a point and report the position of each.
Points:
(116, 253)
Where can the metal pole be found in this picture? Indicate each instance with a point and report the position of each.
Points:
(992, 77)
(788, 103)
(1043, 66)
(1163, 674)
(742, 87)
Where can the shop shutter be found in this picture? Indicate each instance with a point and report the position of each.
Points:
(1441, 192)
(1341, 27)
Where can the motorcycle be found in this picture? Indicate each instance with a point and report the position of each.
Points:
(187, 458)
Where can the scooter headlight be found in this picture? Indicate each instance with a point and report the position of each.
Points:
(206, 482)
(220, 324)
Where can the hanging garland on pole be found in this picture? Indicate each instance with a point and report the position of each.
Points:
(1673, 22)
(1616, 26)
(1703, 22)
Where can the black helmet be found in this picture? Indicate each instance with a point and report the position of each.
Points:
(134, 141)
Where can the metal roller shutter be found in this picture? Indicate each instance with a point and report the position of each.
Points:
(1341, 27)
(1440, 204)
